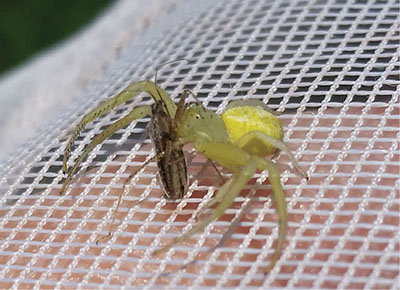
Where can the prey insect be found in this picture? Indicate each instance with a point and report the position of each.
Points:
(173, 176)
(239, 140)
(171, 162)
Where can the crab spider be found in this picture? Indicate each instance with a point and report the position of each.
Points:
(239, 140)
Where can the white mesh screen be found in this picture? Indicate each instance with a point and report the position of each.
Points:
(331, 68)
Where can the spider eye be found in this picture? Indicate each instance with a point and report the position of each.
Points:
(197, 116)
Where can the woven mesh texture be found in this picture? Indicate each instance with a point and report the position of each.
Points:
(331, 68)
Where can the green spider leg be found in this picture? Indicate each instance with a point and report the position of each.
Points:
(277, 190)
(275, 142)
(274, 178)
(227, 194)
(252, 103)
(204, 129)
(135, 114)
(261, 164)
(224, 238)
(132, 90)
(210, 203)
(280, 203)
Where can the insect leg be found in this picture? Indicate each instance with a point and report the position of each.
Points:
(216, 199)
(130, 177)
(217, 170)
(181, 107)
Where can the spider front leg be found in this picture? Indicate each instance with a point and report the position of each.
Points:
(135, 114)
(129, 92)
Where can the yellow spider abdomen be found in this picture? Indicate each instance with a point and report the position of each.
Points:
(245, 119)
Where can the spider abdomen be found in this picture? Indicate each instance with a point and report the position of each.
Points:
(243, 120)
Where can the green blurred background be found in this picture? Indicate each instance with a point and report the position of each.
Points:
(28, 26)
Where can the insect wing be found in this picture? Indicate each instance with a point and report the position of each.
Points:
(171, 161)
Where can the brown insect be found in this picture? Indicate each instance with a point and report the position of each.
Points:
(171, 162)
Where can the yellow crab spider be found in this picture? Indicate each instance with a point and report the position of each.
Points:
(239, 140)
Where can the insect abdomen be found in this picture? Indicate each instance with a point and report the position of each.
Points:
(171, 161)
